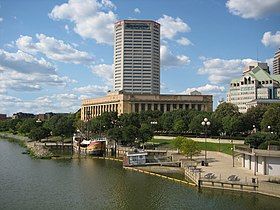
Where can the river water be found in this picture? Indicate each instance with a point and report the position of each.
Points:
(27, 183)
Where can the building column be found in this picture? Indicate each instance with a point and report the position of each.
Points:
(171, 107)
(202, 107)
(152, 106)
(196, 107)
(264, 165)
(250, 159)
(146, 107)
(164, 108)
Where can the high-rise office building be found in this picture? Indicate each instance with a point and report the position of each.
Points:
(137, 76)
(256, 86)
(137, 57)
(276, 62)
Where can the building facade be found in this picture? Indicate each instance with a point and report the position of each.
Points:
(263, 162)
(121, 102)
(276, 63)
(137, 56)
(3, 116)
(256, 86)
(21, 115)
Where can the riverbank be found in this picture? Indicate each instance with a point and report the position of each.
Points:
(36, 151)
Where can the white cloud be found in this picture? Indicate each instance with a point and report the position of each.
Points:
(269, 62)
(66, 102)
(25, 63)
(170, 26)
(108, 4)
(1, 19)
(23, 72)
(137, 11)
(206, 89)
(271, 40)
(92, 90)
(168, 59)
(221, 71)
(53, 49)
(253, 8)
(91, 18)
(184, 41)
(104, 71)
(66, 27)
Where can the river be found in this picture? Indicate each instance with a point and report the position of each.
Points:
(87, 183)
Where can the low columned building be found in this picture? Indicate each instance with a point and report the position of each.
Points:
(122, 102)
(259, 161)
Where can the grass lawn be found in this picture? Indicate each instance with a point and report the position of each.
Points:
(224, 148)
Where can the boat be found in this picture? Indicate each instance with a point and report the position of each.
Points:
(96, 147)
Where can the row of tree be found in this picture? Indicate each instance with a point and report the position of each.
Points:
(140, 127)
(57, 125)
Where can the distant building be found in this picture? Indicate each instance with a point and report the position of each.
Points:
(21, 115)
(137, 56)
(195, 93)
(45, 116)
(137, 76)
(121, 102)
(276, 63)
(256, 86)
(3, 117)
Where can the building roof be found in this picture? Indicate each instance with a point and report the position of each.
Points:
(259, 74)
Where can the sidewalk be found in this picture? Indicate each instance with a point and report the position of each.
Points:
(222, 141)
(221, 165)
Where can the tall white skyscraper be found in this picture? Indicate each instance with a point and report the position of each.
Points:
(137, 56)
(276, 62)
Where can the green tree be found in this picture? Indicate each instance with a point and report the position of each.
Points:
(27, 125)
(145, 133)
(226, 109)
(189, 148)
(256, 139)
(129, 134)
(38, 133)
(231, 124)
(166, 121)
(272, 118)
(177, 142)
(179, 126)
(115, 134)
(129, 119)
(253, 116)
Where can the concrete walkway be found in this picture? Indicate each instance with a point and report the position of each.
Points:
(222, 166)
(222, 141)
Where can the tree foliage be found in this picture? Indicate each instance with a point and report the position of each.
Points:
(189, 148)
(272, 118)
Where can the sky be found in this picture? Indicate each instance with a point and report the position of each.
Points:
(55, 53)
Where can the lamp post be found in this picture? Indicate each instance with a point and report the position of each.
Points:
(154, 123)
(205, 123)
(269, 128)
(232, 148)
(87, 125)
(254, 129)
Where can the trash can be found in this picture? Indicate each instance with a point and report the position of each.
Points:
(202, 163)
(254, 180)
(206, 163)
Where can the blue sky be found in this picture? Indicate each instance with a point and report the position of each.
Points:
(53, 53)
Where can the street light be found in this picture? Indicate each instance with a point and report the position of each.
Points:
(205, 123)
(269, 127)
(254, 129)
(154, 123)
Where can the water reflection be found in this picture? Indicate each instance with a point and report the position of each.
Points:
(88, 183)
